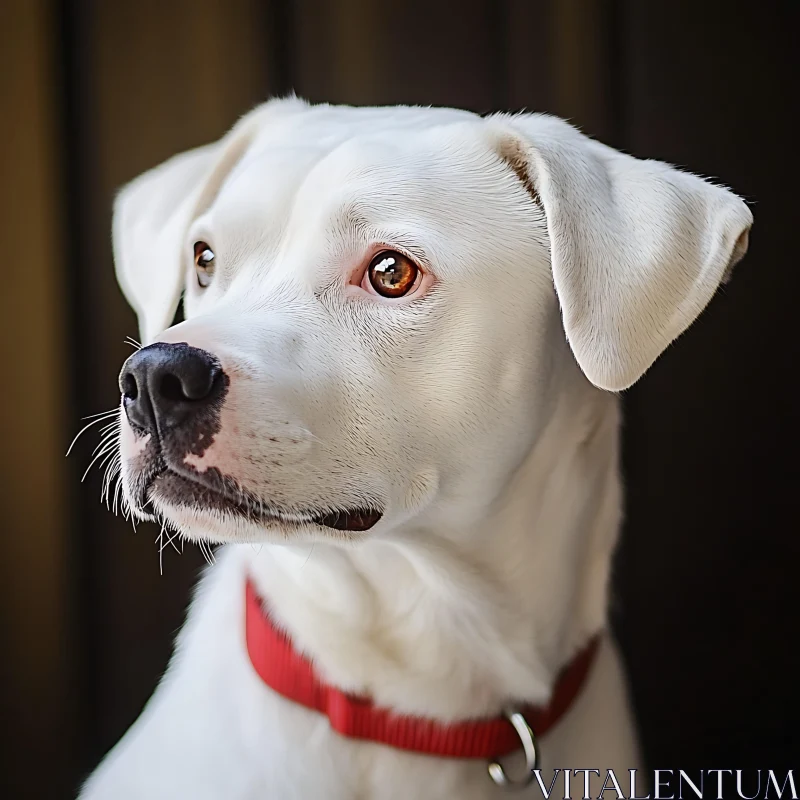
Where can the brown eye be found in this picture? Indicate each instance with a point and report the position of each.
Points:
(203, 263)
(391, 274)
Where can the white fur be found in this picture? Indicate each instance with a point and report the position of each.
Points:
(462, 412)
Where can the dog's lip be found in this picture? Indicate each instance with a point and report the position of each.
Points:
(356, 519)
(216, 498)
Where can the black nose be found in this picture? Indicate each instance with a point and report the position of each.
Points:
(164, 384)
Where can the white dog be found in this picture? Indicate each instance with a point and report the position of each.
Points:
(393, 401)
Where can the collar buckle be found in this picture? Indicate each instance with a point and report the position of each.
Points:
(529, 746)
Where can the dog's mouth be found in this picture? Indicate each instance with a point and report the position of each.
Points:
(211, 491)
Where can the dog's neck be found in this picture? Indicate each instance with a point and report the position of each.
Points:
(455, 623)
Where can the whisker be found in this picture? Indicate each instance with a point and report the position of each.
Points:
(110, 455)
(106, 479)
(105, 447)
(160, 548)
(86, 428)
(108, 438)
(171, 541)
(117, 491)
(109, 449)
(112, 470)
(102, 413)
(208, 554)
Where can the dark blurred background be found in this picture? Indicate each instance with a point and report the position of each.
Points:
(94, 92)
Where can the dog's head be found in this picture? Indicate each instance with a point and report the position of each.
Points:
(376, 302)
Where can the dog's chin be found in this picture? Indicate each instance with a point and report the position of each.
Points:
(220, 514)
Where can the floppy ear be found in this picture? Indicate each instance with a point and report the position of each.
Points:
(152, 215)
(638, 248)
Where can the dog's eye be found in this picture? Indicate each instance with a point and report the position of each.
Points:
(391, 274)
(203, 263)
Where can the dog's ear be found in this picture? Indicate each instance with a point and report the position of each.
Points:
(637, 248)
(151, 218)
(152, 215)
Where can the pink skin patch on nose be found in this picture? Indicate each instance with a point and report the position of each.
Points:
(212, 457)
(254, 439)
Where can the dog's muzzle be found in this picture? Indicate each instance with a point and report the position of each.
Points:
(174, 394)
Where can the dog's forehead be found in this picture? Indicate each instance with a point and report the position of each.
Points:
(331, 146)
(324, 169)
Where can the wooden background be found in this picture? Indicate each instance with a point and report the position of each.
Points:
(94, 92)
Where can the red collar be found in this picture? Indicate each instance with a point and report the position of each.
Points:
(292, 675)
